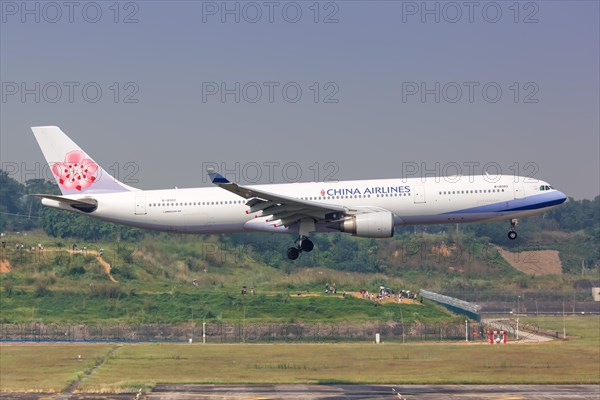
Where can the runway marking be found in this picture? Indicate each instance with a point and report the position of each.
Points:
(213, 395)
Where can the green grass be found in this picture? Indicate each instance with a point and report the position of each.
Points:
(76, 307)
(46, 367)
(585, 329)
(155, 286)
(134, 366)
(155, 279)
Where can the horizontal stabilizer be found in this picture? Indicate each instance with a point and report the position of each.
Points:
(85, 204)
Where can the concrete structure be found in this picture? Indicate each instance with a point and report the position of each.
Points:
(453, 304)
(596, 293)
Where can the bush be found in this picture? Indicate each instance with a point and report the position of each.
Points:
(75, 271)
(107, 290)
(41, 288)
(8, 287)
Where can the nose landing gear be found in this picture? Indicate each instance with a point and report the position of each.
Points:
(302, 244)
(512, 235)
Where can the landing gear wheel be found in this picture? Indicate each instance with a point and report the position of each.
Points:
(512, 235)
(307, 245)
(293, 253)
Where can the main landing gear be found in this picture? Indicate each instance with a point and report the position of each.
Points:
(302, 244)
(512, 235)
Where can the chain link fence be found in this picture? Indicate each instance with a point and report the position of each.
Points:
(242, 332)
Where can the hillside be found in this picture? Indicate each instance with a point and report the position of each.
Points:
(555, 259)
(535, 262)
(173, 279)
(167, 278)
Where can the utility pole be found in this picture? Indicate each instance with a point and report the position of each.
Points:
(193, 325)
(402, 321)
(518, 298)
(564, 327)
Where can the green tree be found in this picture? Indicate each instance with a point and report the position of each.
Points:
(11, 201)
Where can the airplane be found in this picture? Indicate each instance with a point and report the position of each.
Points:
(362, 208)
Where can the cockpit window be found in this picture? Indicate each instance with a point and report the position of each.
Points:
(546, 187)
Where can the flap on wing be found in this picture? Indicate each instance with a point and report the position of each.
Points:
(287, 210)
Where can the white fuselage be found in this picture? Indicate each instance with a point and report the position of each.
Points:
(412, 201)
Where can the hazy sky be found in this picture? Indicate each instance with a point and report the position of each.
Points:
(276, 91)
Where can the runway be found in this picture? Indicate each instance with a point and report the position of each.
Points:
(356, 392)
(340, 392)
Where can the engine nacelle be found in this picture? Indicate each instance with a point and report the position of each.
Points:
(371, 225)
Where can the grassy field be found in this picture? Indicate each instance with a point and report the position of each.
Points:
(215, 305)
(51, 367)
(47, 367)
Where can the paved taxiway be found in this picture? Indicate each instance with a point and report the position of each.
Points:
(356, 392)
(339, 392)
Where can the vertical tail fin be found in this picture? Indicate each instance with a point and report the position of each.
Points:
(75, 172)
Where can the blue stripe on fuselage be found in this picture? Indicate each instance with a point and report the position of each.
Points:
(534, 202)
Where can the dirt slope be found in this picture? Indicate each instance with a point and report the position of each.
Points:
(5, 266)
(538, 262)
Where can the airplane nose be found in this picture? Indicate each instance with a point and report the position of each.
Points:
(561, 197)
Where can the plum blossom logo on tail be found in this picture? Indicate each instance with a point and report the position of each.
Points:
(76, 172)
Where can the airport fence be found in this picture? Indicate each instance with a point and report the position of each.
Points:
(241, 332)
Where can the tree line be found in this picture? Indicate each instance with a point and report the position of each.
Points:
(20, 211)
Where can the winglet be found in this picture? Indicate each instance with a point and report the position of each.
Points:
(215, 177)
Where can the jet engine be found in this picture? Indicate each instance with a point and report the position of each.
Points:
(371, 225)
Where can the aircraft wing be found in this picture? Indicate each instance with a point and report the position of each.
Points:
(282, 210)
